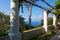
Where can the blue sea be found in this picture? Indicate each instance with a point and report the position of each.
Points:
(34, 23)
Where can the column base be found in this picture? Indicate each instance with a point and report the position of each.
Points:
(45, 28)
(15, 36)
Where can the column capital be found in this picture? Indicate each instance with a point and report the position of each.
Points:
(47, 10)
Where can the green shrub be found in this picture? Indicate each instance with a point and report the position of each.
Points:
(3, 32)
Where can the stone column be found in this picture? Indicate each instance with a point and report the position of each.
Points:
(14, 21)
(54, 19)
(45, 20)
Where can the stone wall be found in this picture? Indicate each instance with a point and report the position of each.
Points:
(32, 33)
(4, 38)
(28, 34)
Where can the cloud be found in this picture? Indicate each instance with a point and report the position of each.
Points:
(36, 18)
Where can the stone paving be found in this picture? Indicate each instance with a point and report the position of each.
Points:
(56, 37)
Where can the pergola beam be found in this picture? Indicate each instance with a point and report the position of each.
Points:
(35, 5)
(47, 3)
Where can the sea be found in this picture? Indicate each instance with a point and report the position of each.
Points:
(34, 23)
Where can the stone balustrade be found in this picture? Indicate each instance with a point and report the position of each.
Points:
(28, 34)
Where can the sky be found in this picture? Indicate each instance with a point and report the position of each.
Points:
(37, 13)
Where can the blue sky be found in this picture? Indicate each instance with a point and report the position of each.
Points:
(37, 13)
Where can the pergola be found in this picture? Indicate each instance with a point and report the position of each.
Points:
(14, 19)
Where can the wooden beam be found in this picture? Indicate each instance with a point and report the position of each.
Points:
(35, 5)
(47, 3)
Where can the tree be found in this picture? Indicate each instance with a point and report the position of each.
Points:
(50, 21)
(29, 7)
(57, 7)
(1, 18)
(7, 19)
(30, 10)
(21, 20)
(57, 10)
(57, 4)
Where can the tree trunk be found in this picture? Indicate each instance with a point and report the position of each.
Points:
(30, 14)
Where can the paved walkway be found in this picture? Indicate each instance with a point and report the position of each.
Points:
(56, 37)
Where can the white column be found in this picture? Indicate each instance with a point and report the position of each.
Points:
(45, 20)
(54, 19)
(14, 21)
